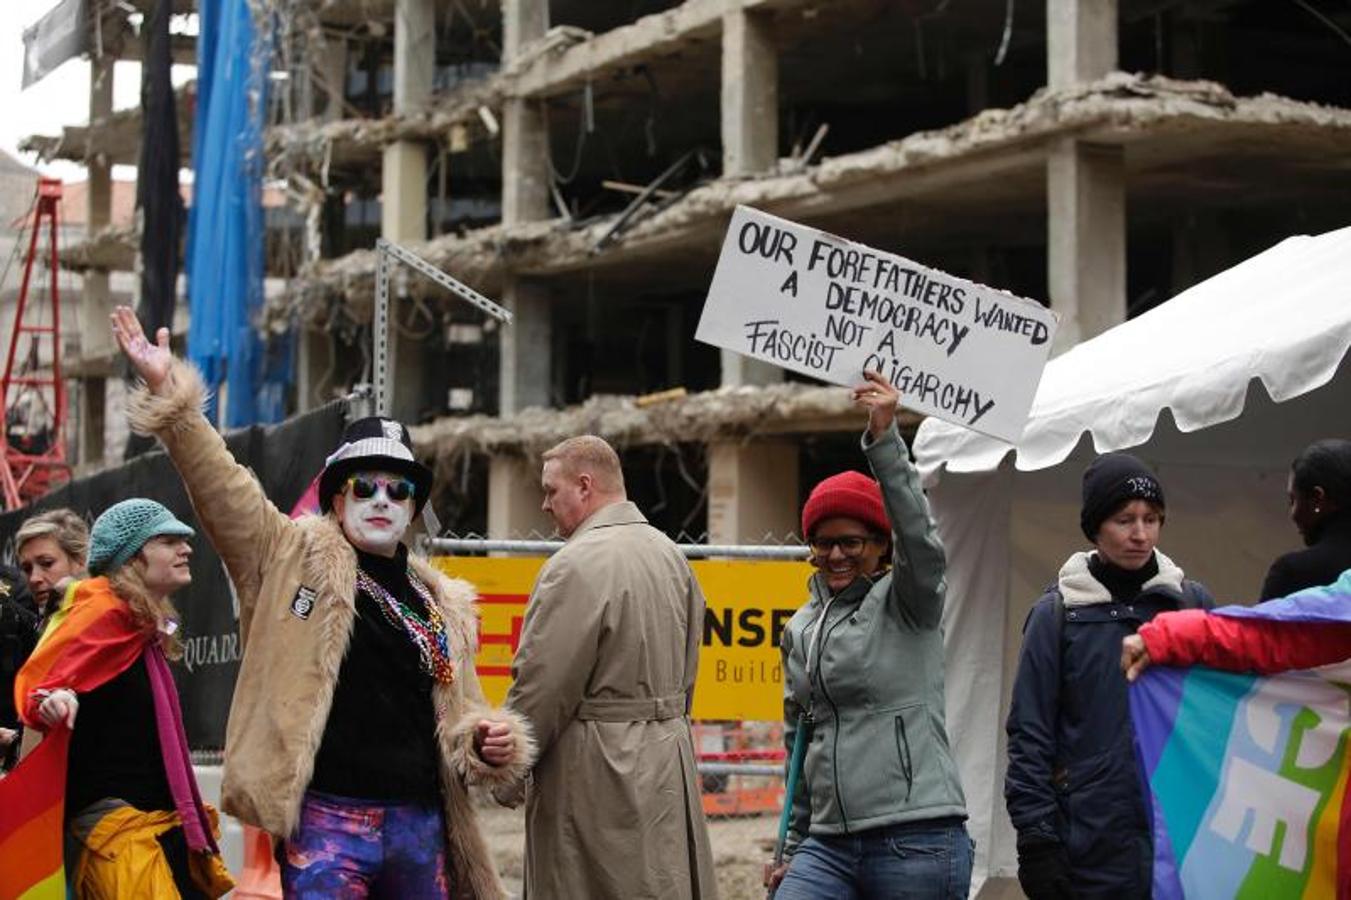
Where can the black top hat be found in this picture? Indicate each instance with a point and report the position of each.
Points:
(374, 444)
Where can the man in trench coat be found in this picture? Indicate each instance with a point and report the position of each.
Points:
(605, 673)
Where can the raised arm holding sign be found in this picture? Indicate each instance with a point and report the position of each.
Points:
(815, 303)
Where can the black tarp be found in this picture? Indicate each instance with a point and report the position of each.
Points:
(157, 195)
(285, 457)
(157, 176)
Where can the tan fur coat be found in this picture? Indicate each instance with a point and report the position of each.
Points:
(296, 583)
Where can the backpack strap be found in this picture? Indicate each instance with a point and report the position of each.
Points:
(1058, 618)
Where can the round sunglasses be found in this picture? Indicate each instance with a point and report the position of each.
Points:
(363, 487)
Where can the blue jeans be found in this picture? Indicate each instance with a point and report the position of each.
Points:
(914, 861)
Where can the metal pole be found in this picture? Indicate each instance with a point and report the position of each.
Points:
(380, 337)
(386, 253)
(713, 768)
(546, 548)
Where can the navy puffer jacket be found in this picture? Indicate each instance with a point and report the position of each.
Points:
(1072, 773)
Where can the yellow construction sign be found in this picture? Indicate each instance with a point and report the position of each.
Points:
(749, 603)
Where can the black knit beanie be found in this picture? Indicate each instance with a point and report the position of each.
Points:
(1111, 480)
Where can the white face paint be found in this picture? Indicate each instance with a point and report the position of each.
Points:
(375, 524)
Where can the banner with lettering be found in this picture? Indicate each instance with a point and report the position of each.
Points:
(749, 603)
(1247, 775)
(824, 306)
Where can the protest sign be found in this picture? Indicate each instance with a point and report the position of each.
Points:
(827, 307)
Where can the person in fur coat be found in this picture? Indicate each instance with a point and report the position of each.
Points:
(357, 722)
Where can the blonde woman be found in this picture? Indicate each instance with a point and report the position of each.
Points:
(51, 548)
(100, 681)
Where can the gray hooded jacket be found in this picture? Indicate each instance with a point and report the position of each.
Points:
(866, 666)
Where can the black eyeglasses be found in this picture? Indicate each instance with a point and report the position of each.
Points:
(397, 490)
(850, 544)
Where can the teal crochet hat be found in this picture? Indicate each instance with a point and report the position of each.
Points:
(124, 528)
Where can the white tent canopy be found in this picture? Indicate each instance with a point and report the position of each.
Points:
(1282, 318)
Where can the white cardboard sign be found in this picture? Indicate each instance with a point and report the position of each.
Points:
(818, 304)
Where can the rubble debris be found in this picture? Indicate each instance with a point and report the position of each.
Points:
(726, 414)
(1119, 107)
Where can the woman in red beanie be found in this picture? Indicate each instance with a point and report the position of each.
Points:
(878, 804)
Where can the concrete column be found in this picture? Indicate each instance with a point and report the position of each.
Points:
(96, 339)
(1086, 238)
(1081, 41)
(525, 162)
(403, 176)
(526, 365)
(333, 73)
(525, 146)
(514, 499)
(414, 53)
(750, 138)
(750, 95)
(1085, 184)
(523, 21)
(752, 492)
(525, 362)
(403, 192)
(314, 361)
(93, 422)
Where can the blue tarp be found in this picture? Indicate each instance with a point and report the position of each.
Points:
(225, 223)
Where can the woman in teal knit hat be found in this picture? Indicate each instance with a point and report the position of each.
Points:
(99, 683)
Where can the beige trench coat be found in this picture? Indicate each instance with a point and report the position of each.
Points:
(296, 584)
(605, 674)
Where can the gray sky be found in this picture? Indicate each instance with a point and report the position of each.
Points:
(62, 98)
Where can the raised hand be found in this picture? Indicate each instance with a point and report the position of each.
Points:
(880, 398)
(151, 361)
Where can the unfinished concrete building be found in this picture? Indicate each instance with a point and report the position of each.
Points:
(579, 159)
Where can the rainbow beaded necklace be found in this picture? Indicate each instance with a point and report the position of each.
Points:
(428, 636)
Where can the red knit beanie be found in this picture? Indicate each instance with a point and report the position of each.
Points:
(851, 494)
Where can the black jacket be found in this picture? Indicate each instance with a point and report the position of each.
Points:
(18, 635)
(1072, 772)
(1317, 565)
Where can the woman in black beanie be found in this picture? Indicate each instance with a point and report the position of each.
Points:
(1072, 789)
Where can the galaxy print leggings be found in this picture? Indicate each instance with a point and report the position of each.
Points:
(347, 849)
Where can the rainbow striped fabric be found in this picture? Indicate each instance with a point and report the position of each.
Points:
(31, 807)
(95, 640)
(1246, 775)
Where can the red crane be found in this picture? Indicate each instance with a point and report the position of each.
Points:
(32, 394)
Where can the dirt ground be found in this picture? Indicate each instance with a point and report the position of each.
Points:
(740, 847)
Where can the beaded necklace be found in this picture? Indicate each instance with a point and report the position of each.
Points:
(428, 636)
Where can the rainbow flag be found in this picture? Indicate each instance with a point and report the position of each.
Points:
(31, 807)
(95, 640)
(1246, 775)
